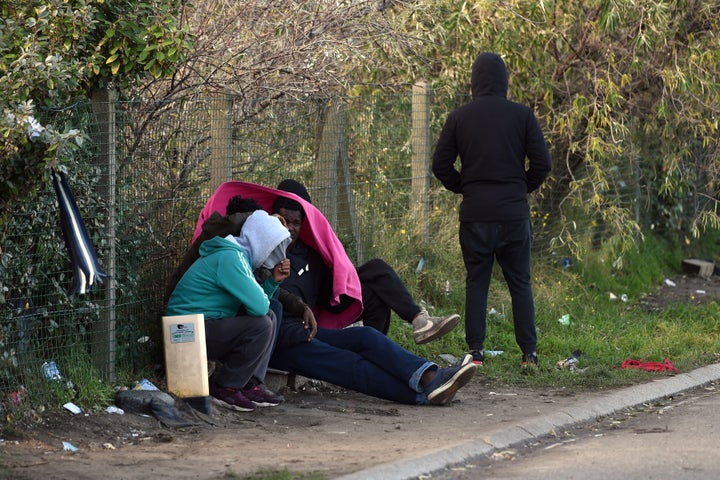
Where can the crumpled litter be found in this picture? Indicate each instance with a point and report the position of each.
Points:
(570, 362)
(69, 447)
(155, 402)
(73, 408)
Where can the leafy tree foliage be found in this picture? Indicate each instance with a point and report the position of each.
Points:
(54, 51)
(618, 84)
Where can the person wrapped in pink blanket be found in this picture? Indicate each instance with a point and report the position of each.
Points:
(358, 358)
(319, 236)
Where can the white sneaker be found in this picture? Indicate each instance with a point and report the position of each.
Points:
(427, 328)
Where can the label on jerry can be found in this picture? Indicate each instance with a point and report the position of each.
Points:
(182, 332)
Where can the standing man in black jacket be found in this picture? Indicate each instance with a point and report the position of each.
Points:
(493, 138)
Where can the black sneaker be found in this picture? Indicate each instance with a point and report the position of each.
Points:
(447, 381)
(529, 360)
(478, 357)
(467, 358)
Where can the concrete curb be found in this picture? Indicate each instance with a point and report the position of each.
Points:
(529, 429)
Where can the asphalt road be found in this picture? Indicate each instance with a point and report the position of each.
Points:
(662, 429)
(674, 438)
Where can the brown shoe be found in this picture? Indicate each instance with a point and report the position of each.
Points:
(427, 328)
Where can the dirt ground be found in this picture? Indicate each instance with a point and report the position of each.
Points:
(318, 429)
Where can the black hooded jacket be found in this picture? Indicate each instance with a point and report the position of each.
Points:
(493, 136)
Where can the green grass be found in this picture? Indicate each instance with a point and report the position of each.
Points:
(80, 383)
(606, 331)
(276, 475)
(92, 393)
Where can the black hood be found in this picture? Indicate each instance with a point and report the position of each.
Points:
(489, 76)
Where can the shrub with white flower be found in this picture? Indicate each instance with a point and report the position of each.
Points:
(34, 129)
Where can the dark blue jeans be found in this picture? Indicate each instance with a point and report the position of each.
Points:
(509, 243)
(360, 359)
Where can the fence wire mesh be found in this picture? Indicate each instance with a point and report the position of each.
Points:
(148, 170)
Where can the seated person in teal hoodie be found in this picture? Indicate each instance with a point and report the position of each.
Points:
(239, 326)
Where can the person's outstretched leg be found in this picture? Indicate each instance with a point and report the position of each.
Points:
(346, 368)
(383, 290)
(438, 384)
(353, 358)
(379, 350)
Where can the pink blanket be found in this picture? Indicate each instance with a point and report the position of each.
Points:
(316, 233)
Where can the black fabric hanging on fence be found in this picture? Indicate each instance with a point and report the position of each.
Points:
(85, 266)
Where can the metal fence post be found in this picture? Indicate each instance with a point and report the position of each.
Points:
(103, 332)
(420, 141)
(220, 140)
(333, 179)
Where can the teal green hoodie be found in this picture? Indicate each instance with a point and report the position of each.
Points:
(219, 283)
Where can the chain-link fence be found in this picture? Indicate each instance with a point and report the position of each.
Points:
(147, 172)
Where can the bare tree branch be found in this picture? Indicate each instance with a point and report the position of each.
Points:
(294, 48)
